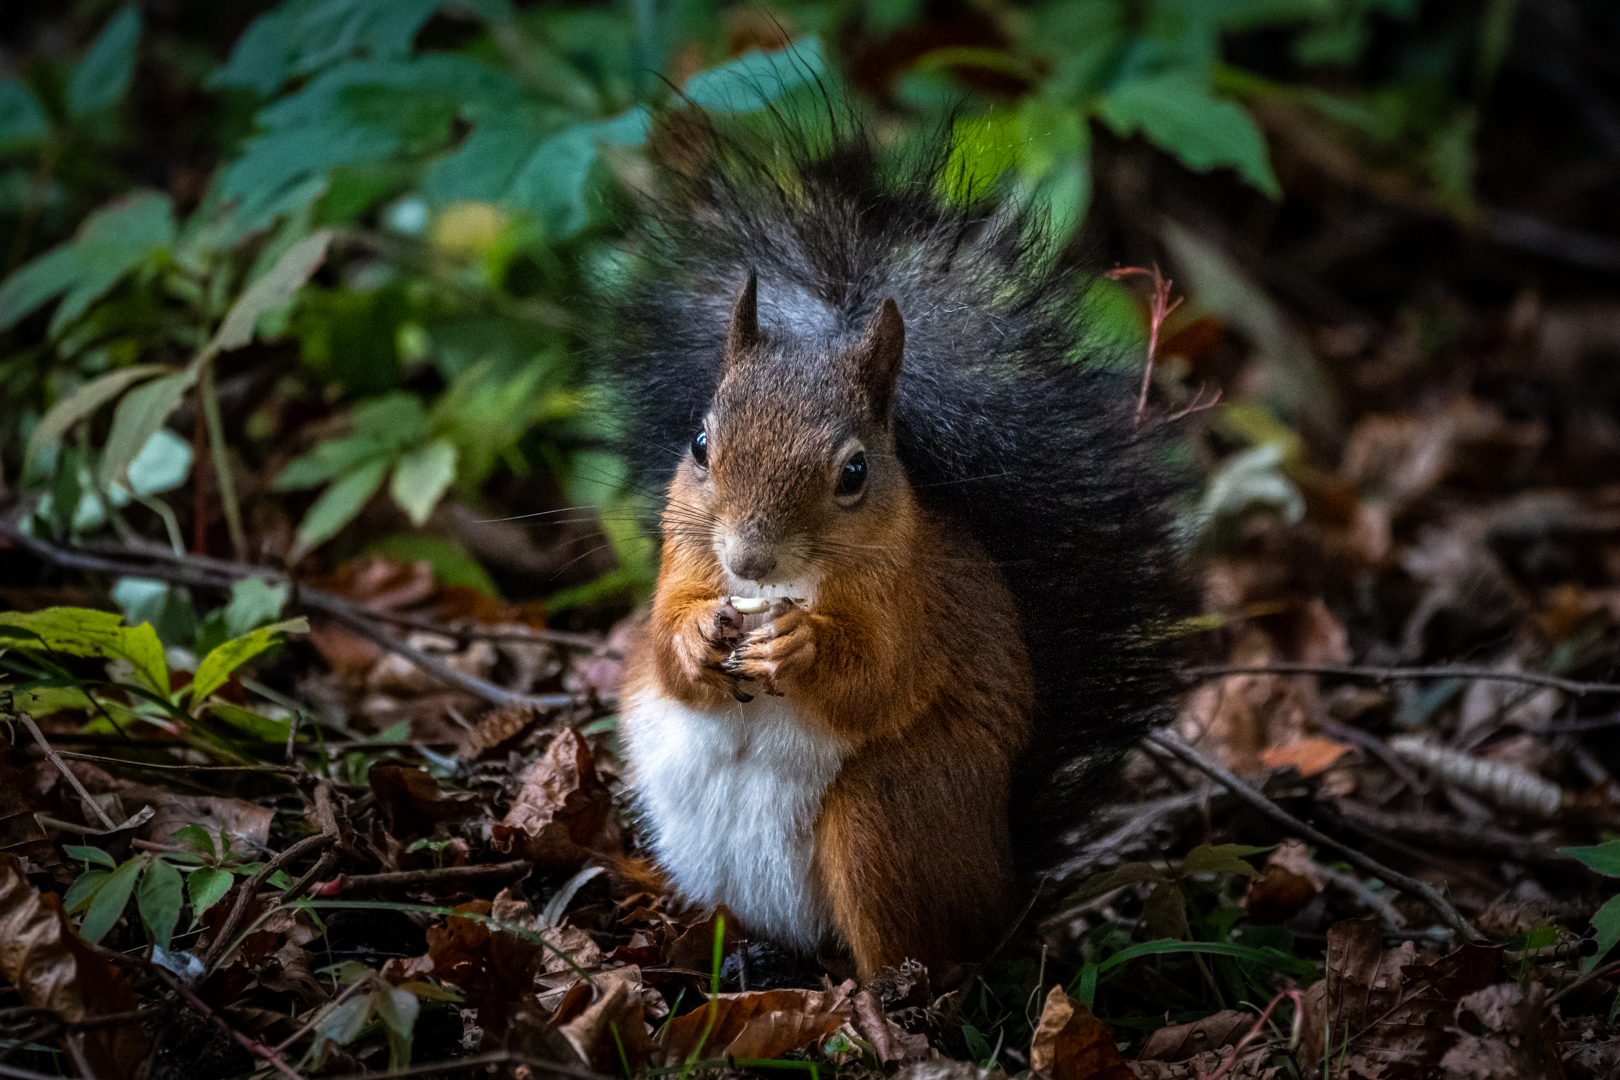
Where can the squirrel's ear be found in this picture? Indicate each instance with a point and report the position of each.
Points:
(878, 356)
(743, 333)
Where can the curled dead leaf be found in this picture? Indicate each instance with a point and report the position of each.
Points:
(758, 1024)
(52, 969)
(563, 812)
(1072, 1044)
(1178, 1042)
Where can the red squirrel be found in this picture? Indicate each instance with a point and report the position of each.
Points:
(872, 414)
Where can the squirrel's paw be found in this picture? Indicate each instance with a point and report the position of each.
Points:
(708, 640)
(781, 649)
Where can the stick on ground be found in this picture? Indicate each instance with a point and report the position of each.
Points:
(1427, 893)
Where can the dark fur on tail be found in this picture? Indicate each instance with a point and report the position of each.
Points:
(1000, 421)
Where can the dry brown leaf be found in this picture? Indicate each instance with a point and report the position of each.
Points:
(51, 968)
(1395, 1010)
(1072, 1044)
(563, 812)
(891, 1041)
(1311, 756)
(495, 969)
(412, 801)
(758, 1024)
(1178, 1042)
(1505, 1034)
(20, 834)
(613, 1023)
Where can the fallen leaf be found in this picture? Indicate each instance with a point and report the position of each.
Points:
(891, 1041)
(1072, 1044)
(51, 968)
(1178, 1042)
(412, 801)
(1311, 756)
(563, 812)
(613, 1025)
(758, 1024)
(1505, 1033)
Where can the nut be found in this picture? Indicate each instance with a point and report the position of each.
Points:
(751, 605)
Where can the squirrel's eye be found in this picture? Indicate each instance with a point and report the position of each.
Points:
(700, 449)
(853, 476)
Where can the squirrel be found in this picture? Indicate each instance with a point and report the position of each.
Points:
(918, 565)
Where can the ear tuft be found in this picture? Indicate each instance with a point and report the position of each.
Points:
(743, 333)
(878, 356)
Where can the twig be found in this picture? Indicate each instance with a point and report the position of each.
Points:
(1428, 893)
(1254, 1033)
(1357, 671)
(1158, 311)
(406, 878)
(76, 756)
(212, 573)
(67, 773)
(1393, 919)
(320, 1014)
(345, 613)
(253, 1046)
(218, 949)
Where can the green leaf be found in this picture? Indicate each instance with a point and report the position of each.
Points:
(205, 887)
(1126, 874)
(1272, 958)
(137, 418)
(83, 890)
(339, 504)
(1221, 859)
(1607, 924)
(109, 901)
(397, 1008)
(84, 401)
(102, 77)
(110, 243)
(37, 282)
(552, 182)
(215, 668)
(162, 465)
(251, 723)
(21, 118)
(158, 900)
(253, 602)
(421, 477)
(754, 81)
(197, 839)
(83, 632)
(1605, 858)
(340, 1026)
(272, 290)
(1176, 112)
(145, 600)
(90, 855)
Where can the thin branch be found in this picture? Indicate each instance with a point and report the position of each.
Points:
(1442, 671)
(253, 1046)
(439, 875)
(67, 773)
(356, 620)
(1159, 310)
(1428, 893)
(220, 948)
(212, 573)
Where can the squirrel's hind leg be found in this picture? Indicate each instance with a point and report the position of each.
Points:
(913, 853)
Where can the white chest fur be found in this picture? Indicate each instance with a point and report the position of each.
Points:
(730, 798)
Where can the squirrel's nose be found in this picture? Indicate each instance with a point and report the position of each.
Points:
(750, 563)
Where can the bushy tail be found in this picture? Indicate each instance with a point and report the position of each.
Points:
(1002, 419)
